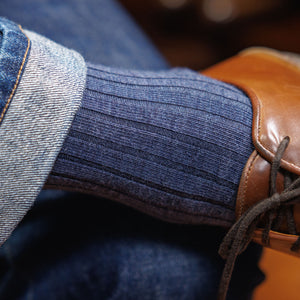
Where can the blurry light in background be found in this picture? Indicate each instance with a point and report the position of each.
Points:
(218, 10)
(222, 11)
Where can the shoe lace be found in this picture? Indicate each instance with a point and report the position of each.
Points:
(272, 211)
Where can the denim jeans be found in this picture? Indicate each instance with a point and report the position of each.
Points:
(73, 246)
(12, 56)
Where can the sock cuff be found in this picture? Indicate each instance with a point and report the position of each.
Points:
(35, 125)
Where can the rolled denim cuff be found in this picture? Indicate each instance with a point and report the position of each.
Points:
(43, 101)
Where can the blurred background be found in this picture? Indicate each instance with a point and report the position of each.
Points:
(199, 33)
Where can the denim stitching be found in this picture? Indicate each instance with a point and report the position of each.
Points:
(18, 77)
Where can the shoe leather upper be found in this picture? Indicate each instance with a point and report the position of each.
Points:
(273, 84)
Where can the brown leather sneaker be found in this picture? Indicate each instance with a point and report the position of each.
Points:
(268, 202)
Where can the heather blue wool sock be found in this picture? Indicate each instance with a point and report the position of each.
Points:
(172, 143)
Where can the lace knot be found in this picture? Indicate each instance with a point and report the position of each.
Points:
(270, 211)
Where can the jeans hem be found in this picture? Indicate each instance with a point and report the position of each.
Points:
(35, 126)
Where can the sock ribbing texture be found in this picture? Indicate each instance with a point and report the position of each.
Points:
(172, 144)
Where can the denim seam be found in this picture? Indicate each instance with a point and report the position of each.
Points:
(18, 77)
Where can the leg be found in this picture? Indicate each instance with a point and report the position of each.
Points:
(187, 255)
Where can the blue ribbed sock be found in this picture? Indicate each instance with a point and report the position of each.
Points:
(172, 144)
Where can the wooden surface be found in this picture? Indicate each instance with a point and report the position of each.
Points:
(282, 277)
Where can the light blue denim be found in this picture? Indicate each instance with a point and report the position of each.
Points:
(73, 246)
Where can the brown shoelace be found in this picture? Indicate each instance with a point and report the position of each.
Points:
(272, 211)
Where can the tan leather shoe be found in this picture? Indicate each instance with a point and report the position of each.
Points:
(268, 202)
